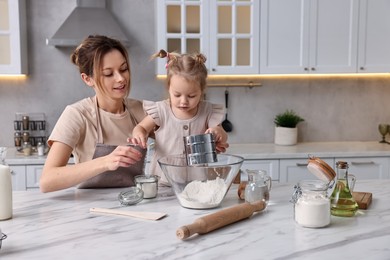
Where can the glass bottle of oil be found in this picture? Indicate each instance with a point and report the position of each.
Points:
(341, 201)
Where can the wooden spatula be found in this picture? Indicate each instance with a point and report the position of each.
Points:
(134, 214)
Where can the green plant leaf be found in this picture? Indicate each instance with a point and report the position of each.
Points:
(287, 119)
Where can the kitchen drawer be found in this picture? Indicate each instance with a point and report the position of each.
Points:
(368, 167)
(33, 174)
(295, 170)
(18, 175)
(271, 166)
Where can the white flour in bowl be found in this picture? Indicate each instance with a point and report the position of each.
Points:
(203, 195)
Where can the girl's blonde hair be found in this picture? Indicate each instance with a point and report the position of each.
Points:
(189, 66)
(88, 56)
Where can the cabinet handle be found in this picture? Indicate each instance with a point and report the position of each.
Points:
(313, 69)
(361, 68)
(213, 69)
(362, 163)
(306, 69)
(302, 164)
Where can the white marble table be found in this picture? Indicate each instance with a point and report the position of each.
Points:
(58, 225)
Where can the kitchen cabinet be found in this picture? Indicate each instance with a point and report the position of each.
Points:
(13, 42)
(18, 174)
(33, 174)
(270, 166)
(374, 36)
(295, 170)
(367, 160)
(226, 32)
(308, 36)
(26, 177)
(368, 167)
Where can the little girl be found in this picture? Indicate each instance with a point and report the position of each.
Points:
(184, 113)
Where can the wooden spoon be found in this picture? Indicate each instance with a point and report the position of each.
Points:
(226, 124)
(134, 214)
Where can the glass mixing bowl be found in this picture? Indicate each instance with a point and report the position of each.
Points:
(201, 186)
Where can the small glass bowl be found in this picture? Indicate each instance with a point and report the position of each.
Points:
(131, 196)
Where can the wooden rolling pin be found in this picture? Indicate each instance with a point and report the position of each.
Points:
(219, 219)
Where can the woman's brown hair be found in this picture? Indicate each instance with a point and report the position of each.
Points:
(89, 54)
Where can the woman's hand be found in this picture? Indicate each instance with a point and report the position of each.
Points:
(122, 156)
(57, 174)
(220, 137)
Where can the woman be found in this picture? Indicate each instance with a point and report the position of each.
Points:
(94, 128)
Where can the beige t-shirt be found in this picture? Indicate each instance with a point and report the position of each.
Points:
(77, 126)
(169, 136)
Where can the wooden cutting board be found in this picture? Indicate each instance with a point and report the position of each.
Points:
(363, 199)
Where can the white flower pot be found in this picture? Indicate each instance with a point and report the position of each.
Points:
(286, 135)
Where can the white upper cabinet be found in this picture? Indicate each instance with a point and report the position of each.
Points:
(13, 44)
(226, 32)
(234, 37)
(308, 36)
(278, 36)
(181, 27)
(374, 36)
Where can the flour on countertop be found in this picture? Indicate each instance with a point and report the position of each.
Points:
(198, 194)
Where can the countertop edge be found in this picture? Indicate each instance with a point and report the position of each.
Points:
(263, 151)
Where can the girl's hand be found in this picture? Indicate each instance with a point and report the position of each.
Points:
(141, 132)
(138, 140)
(140, 136)
(220, 137)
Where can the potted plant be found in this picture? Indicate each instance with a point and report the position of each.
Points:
(286, 131)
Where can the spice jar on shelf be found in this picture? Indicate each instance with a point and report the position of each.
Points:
(27, 148)
(26, 122)
(41, 149)
(26, 136)
(18, 139)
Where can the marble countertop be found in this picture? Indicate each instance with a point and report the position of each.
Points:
(302, 150)
(58, 225)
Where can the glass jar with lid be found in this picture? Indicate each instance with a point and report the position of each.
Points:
(41, 149)
(27, 148)
(311, 204)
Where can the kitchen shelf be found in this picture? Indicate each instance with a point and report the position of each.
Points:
(250, 84)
